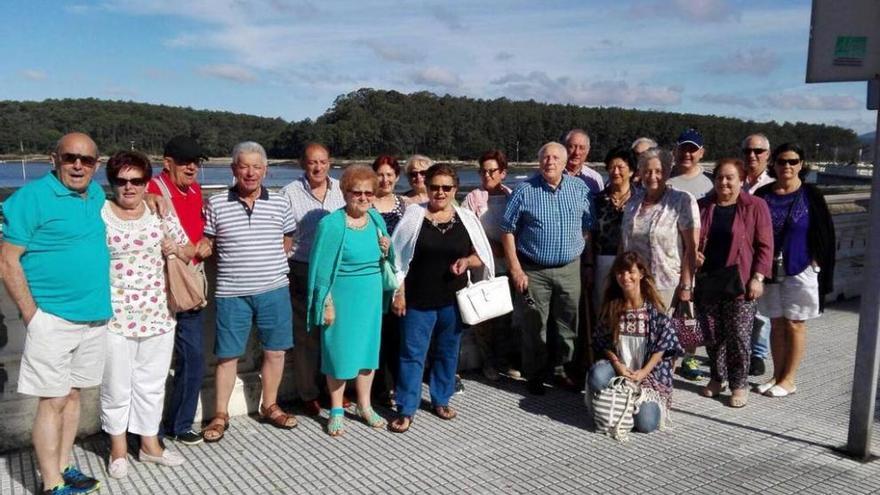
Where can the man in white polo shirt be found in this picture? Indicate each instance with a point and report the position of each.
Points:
(250, 229)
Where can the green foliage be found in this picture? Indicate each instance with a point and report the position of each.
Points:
(368, 122)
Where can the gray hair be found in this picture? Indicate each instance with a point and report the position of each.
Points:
(550, 144)
(249, 147)
(758, 135)
(418, 160)
(664, 156)
(643, 140)
(574, 132)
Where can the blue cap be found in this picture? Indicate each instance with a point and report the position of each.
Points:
(692, 136)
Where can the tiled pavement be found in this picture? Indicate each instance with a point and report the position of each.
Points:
(507, 442)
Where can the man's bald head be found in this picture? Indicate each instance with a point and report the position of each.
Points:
(77, 139)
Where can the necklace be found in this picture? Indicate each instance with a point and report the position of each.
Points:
(620, 199)
(443, 227)
(355, 223)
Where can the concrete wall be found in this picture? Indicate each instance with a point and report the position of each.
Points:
(16, 411)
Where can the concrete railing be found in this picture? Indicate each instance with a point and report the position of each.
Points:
(16, 411)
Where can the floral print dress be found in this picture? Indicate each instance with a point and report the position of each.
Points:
(137, 273)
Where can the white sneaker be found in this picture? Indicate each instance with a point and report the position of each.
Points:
(118, 468)
(168, 458)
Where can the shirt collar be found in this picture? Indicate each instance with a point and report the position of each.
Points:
(305, 183)
(232, 194)
(61, 190)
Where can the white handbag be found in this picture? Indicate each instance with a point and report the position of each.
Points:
(484, 300)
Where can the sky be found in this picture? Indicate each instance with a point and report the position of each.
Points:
(292, 58)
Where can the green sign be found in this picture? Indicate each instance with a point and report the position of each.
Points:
(850, 50)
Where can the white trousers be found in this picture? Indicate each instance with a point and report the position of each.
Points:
(133, 391)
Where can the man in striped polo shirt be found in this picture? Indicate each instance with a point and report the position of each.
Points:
(545, 228)
(311, 197)
(250, 229)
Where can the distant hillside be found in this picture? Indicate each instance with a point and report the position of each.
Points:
(115, 124)
(367, 122)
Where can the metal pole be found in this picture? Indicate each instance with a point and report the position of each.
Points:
(864, 389)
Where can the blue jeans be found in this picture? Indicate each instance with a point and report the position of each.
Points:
(189, 369)
(418, 328)
(648, 417)
(761, 336)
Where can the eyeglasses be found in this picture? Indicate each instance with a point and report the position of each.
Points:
(137, 182)
(88, 161)
(441, 187)
(367, 194)
(415, 173)
(789, 161)
(489, 171)
(756, 151)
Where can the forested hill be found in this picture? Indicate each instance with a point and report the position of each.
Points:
(368, 122)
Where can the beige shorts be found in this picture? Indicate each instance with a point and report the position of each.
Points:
(60, 355)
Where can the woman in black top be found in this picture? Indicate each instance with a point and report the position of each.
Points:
(435, 244)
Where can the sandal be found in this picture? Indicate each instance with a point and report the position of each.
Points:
(371, 417)
(216, 428)
(277, 417)
(335, 426)
(739, 398)
(712, 389)
(445, 412)
(401, 424)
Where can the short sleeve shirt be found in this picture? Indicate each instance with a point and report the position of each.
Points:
(308, 211)
(698, 186)
(188, 205)
(65, 256)
(654, 232)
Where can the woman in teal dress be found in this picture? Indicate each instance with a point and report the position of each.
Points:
(346, 300)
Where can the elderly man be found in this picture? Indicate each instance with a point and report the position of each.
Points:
(641, 145)
(688, 175)
(177, 183)
(250, 229)
(311, 197)
(545, 228)
(55, 265)
(756, 154)
(577, 145)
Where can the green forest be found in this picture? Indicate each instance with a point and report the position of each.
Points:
(367, 122)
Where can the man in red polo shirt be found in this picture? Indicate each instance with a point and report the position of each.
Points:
(177, 182)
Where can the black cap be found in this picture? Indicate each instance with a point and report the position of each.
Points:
(184, 149)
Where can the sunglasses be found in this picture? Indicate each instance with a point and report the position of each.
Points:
(86, 160)
(756, 151)
(416, 173)
(183, 163)
(137, 182)
(787, 161)
(366, 194)
(489, 171)
(440, 187)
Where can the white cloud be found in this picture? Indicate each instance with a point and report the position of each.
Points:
(229, 72)
(33, 74)
(436, 77)
(539, 86)
(690, 10)
(447, 17)
(727, 99)
(119, 92)
(392, 53)
(802, 101)
(504, 56)
(756, 62)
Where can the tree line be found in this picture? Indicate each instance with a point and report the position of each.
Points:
(367, 122)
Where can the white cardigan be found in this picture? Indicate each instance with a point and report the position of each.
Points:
(406, 234)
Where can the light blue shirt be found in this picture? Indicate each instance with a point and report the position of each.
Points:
(549, 224)
(66, 262)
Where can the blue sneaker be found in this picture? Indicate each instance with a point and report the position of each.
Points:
(76, 480)
(66, 489)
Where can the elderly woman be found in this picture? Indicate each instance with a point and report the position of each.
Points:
(803, 266)
(345, 295)
(735, 253)
(140, 336)
(416, 168)
(636, 338)
(621, 166)
(488, 202)
(435, 244)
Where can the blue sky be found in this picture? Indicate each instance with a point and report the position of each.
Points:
(291, 58)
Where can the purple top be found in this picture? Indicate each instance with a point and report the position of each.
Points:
(793, 240)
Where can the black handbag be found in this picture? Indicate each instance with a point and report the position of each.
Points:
(721, 284)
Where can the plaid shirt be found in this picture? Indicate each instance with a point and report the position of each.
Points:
(549, 224)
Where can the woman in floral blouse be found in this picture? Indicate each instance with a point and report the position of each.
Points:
(140, 335)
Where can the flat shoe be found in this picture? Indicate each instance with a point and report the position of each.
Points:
(737, 401)
(445, 412)
(118, 468)
(401, 424)
(779, 391)
(167, 458)
(764, 387)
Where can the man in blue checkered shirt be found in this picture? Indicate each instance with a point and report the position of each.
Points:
(545, 228)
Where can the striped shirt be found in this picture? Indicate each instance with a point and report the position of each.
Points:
(308, 211)
(549, 224)
(591, 178)
(249, 242)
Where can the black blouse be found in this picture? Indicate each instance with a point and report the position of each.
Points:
(429, 283)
